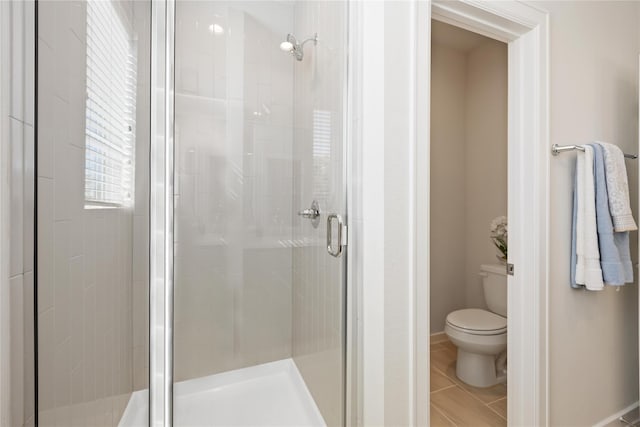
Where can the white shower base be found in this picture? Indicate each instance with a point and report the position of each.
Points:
(272, 394)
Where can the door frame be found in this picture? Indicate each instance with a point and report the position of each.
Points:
(5, 211)
(161, 214)
(389, 215)
(526, 30)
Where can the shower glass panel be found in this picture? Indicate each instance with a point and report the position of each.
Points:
(93, 113)
(259, 303)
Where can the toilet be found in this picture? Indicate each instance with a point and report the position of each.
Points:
(481, 335)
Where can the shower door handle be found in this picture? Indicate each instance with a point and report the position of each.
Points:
(309, 213)
(313, 213)
(341, 233)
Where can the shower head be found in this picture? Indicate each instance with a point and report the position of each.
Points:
(296, 48)
(286, 46)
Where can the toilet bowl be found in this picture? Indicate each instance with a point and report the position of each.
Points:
(481, 335)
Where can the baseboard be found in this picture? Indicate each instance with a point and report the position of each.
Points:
(615, 417)
(438, 337)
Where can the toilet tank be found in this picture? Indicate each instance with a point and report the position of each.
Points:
(494, 283)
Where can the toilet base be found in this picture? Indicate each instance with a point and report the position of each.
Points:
(478, 370)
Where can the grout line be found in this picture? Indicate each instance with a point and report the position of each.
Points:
(49, 45)
(443, 374)
(472, 395)
(438, 337)
(496, 412)
(459, 384)
(444, 388)
(497, 400)
(21, 121)
(443, 415)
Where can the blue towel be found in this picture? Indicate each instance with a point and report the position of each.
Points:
(615, 258)
(621, 240)
(574, 257)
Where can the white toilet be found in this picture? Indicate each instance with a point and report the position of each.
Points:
(481, 335)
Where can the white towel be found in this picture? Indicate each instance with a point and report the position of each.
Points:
(588, 272)
(580, 219)
(618, 188)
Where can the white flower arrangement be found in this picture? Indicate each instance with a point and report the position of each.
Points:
(499, 235)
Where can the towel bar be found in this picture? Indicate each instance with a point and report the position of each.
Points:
(557, 149)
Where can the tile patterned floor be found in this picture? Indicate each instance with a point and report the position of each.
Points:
(454, 403)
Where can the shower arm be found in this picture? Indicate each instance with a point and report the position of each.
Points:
(295, 47)
(313, 39)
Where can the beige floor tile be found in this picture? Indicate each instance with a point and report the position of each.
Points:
(500, 407)
(461, 408)
(439, 420)
(439, 337)
(439, 381)
(450, 370)
(486, 394)
(450, 345)
(440, 341)
(438, 346)
(444, 358)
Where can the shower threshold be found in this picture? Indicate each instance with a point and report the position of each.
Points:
(271, 394)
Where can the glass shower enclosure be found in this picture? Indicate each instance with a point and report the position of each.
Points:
(192, 212)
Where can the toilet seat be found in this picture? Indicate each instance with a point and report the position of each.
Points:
(476, 321)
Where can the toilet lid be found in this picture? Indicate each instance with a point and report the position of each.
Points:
(480, 322)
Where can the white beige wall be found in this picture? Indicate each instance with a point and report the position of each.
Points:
(485, 159)
(468, 170)
(448, 181)
(594, 96)
(593, 337)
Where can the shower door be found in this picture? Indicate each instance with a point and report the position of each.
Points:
(259, 279)
(92, 211)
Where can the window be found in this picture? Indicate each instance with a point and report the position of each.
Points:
(111, 106)
(322, 154)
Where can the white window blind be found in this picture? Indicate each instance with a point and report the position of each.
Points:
(111, 106)
(322, 154)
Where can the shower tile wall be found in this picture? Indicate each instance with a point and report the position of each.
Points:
(21, 63)
(234, 134)
(318, 143)
(140, 272)
(86, 277)
(259, 135)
